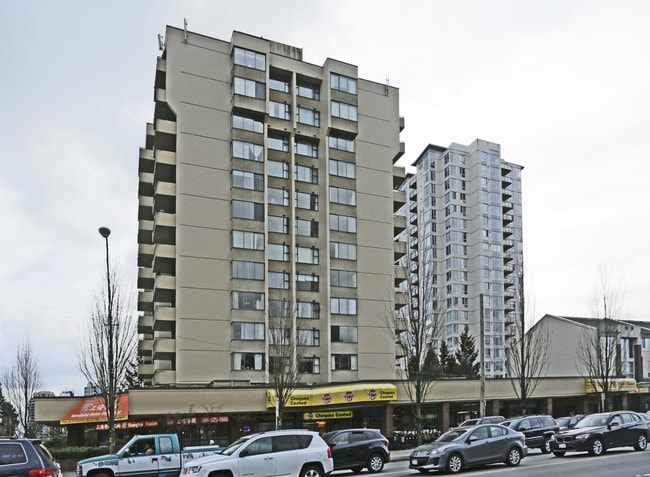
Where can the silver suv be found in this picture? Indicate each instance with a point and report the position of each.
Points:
(295, 453)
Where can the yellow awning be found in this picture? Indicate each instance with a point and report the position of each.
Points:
(342, 394)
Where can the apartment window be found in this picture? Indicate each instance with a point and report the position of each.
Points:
(277, 364)
(342, 169)
(248, 151)
(279, 280)
(247, 180)
(343, 306)
(307, 116)
(247, 123)
(343, 278)
(279, 110)
(344, 251)
(344, 111)
(247, 270)
(343, 223)
(278, 196)
(308, 309)
(307, 255)
(279, 84)
(279, 308)
(341, 143)
(250, 59)
(278, 252)
(278, 169)
(306, 174)
(306, 148)
(308, 90)
(309, 337)
(250, 88)
(278, 143)
(344, 83)
(344, 362)
(278, 225)
(306, 228)
(309, 365)
(247, 331)
(305, 200)
(248, 240)
(247, 210)
(247, 300)
(344, 334)
(306, 282)
(248, 361)
(339, 195)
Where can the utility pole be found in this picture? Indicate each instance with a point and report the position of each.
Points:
(105, 232)
(482, 347)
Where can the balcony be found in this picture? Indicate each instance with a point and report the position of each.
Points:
(145, 323)
(399, 176)
(399, 224)
(508, 257)
(399, 199)
(400, 275)
(400, 152)
(145, 255)
(164, 228)
(146, 163)
(165, 166)
(508, 231)
(509, 282)
(161, 73)
(164, 259)
(145, 208)
(145, 278)
(145, 184)
(507, 270)
(164, 289)
(165, 135)
(145, 231)
(507, 206)
(164, 348)
(165, 197)
(150, 139)
(145, 347)
(508, 244)
(507, 219)
(145, 301)
(164, 377)
(399, 250)
(506, 194)
(145, 371)
(164, 318)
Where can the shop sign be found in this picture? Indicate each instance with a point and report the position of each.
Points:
(93, 410)
(615, 385)
(198, 420)
(314, 416)
(343, 394)
(129, 425)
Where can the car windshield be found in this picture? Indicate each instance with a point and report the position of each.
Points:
(235, 445)
(452, 435)
(563, 421)
(593, 420)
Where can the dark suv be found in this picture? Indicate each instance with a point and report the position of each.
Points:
(482, 420)
(358, 448)
(26, 458)
(538, 430)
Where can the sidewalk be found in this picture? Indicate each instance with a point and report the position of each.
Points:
(401, 454)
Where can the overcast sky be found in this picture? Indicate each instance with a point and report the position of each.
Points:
(562, 85)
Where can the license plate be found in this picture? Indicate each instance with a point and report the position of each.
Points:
(562, 446)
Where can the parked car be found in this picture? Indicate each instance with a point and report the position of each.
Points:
(21, 457)
(568, 422)
(358, 448)
(462, 447)
(294, 453)
(482, 420)
(596, 433)
(645, 417)
(538, 430)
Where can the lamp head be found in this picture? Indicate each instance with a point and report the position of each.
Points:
(104, 231)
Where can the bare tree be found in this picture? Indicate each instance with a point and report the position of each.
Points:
(597, 353)
(416, 325)
(286, 343)
(19, 383)
(121, 336)
(528, 351)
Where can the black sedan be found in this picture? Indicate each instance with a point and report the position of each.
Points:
(596, 433)
(470, 446)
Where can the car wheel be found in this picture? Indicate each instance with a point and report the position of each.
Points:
(546, 447)
(454, 463)
(356, 470)
(597, 447)
(641, 443)
(559, 453)
(375, 463)
(514, 457)
(312, 471)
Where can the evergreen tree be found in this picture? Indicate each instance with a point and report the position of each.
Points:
(8, 417)
(447, 360)
(467, 356)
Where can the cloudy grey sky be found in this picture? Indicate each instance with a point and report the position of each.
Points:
(561, 85)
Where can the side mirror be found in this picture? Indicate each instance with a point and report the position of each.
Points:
(244, 453)
(471, 439)
(333, 444)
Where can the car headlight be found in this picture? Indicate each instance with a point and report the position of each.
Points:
(192, 469)
(583, 437)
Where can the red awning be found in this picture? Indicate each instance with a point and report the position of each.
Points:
(93, 410)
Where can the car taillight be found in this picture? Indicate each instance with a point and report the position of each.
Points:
(523, 437)
(329, 453)
(385, 441)
(41, 472)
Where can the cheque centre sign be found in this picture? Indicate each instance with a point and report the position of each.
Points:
(317, 416)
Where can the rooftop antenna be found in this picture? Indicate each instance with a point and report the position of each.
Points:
(185, 28)
(161, 42)
(386, 85)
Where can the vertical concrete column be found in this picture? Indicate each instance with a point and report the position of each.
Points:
(444, 413)
(493, 407)
(624, 402)
(387, 420)
(583, 404)
(549, 406)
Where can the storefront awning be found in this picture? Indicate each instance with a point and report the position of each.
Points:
(343, 394)
(94, 410)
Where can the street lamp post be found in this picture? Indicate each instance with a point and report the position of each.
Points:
(105, 232)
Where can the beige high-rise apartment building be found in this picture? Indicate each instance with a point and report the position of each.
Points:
(266, 183)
